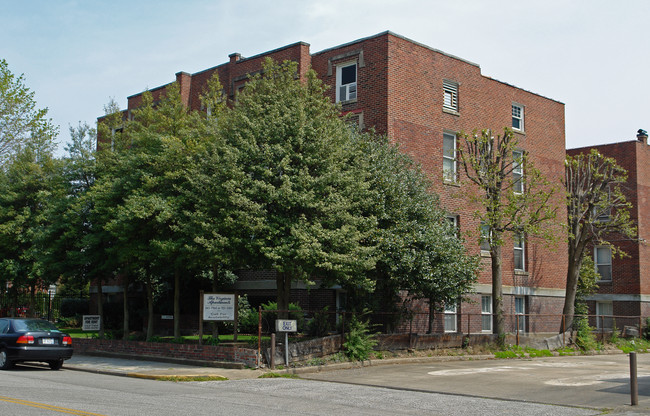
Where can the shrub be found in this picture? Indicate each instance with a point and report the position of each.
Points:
(359, 342)
(270, 314)
(214, 341)
(247, 316)
(585, 339)
(319, 325)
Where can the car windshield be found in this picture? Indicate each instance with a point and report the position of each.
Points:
(34, 325)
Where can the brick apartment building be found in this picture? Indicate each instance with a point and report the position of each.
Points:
(422, 98)
(624, 288)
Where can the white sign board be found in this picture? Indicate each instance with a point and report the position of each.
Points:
(91, 323)
(286, 325)
(218, 307)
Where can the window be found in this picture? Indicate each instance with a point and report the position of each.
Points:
(450, 318)
(520, 311)
(520, 253)
(604, 312)
(518, 117)
(485, 237)
(450, 95)
(603, 261)
(486, 313)
(355, 120)
(346, 82)
(117, 131)
(518, 172)
(449, 173)
(453, 220)
(603, 210)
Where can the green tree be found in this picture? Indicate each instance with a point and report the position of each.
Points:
(21, 122)
(418, 250)
(517, 204)
(147, 175)
(28, 185)
(596, 209)
(294, 151)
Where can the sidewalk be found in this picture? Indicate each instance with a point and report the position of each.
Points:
(152, 369)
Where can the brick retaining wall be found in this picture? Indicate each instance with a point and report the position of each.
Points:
(247, 356)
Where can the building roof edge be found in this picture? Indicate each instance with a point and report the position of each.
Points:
(397, 35)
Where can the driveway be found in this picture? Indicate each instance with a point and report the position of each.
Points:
(587, 381)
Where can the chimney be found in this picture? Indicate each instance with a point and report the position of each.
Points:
(642, 135)
(234, 57)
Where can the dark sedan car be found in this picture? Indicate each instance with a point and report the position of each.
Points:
(27, 339)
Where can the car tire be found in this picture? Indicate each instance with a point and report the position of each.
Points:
(5, 363)
(56, 364)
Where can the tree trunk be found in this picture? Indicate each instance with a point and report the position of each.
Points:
(125, 305)
(149, 308)
(215, 276)
(283, 281)
(100, 307)
(576, 254)
(177, 303)
(497, 295)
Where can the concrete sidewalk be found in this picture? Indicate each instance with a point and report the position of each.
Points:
(139, 368)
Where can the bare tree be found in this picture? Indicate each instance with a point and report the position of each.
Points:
(596, 209)
(513, 195)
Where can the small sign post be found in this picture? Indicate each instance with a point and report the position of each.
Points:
(286, 326)
(51, 292)
(91, 323)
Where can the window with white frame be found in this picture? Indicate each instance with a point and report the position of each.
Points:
(603, 209)
(450, 318)
(520, 251)
(604, 315)
(450, 95)
(346, 82)
(520, 312)
(453, 220)
(603, 262)
(449, 157)
(485, 237)
(518, 117)
(115, 132)
(518, 172)
(486, 313)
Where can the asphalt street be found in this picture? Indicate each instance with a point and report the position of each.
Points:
(37, 391)
(558, 385)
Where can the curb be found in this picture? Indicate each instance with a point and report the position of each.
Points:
(118, 373)
(170, 360)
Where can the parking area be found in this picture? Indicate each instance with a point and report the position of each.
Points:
(600, 381)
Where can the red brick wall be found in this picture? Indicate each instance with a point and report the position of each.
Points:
(246, 356)
(400, 94)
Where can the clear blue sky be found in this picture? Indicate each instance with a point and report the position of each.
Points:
(592, 55)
